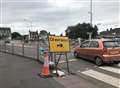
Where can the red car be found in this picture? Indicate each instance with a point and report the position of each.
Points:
(99, 50)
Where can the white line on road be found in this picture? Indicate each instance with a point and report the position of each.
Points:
(119, 64)
(111, 69)
(103, 77)
(71, 60)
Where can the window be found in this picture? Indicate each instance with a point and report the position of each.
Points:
(85, 44)
(110, 44)
(94, 44)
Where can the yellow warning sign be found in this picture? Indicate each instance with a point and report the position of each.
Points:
(59, 44)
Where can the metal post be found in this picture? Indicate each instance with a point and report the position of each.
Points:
(23, 49)
(91, 13)
(90, 35)
(67, 63)
(12, 48)
(0, 47)
(56, 64)
(5, 47)
(38, 51)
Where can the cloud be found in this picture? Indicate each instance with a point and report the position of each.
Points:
(57, 16)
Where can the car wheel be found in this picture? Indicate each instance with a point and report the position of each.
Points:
(76, 54)
(98, 61)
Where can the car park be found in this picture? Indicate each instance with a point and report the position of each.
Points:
(99, 50)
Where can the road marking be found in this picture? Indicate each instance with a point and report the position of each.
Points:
(111, 69)
(103, 77)
(119, 64)
(71, 60)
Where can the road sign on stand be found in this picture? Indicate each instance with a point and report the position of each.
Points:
(59, 45)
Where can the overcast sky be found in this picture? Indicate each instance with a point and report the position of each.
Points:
(56, 15)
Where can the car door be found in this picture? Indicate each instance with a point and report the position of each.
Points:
(83, 49)
(94, 50)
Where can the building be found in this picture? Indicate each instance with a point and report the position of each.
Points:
(111, 33)
(5, 33)
(26, 38)
(33, 35)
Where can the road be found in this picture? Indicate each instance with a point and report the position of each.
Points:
(107, 76)
(19, 72)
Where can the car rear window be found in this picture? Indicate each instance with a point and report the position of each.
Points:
(110, 44)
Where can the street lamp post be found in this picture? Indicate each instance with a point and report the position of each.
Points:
(91, 13)
(91, 19)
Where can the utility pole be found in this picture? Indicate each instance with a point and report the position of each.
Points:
(91, 17)
(90, 35)
(91, 13)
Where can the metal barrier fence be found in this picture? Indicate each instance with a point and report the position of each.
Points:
(31, 51)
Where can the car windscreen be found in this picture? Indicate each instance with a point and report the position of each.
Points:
(110, 44)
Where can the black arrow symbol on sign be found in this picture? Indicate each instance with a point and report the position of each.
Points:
(60, 45)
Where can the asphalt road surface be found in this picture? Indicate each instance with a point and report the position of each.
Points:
(107, 76)
(18, 72)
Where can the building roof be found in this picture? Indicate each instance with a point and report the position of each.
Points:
(5, 28)
(111, 33)
(33, 32)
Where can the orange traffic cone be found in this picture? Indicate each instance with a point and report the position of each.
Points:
(45, 70)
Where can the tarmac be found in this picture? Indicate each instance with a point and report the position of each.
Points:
(20, 72)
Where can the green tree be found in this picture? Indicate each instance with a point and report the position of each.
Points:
(80, 30)
(43, 32)
(16, 35)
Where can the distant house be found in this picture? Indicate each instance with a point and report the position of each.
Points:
(5, 33)
(33, 35)
(26, 38)
(111, 33)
